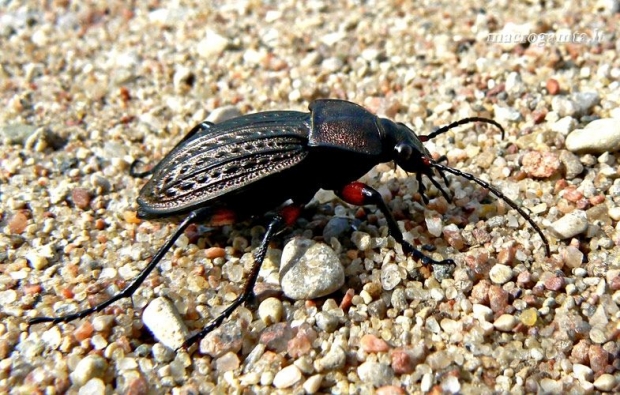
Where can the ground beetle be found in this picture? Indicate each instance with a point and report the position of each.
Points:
(277, 161)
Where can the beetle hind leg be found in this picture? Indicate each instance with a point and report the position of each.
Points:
(361, 194)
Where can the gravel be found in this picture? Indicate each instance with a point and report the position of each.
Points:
(87, 89)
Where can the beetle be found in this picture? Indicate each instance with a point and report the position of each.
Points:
(278, 160)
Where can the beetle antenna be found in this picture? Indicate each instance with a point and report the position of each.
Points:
(463, 121)
(497, 193)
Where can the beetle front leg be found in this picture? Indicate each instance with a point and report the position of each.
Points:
(360, 194)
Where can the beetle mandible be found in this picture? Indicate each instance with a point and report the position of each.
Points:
(279, 160)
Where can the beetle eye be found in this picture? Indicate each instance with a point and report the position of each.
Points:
(403, 152)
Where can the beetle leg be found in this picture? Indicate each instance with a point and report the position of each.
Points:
(278, 222)
(360, 194)
(136, 282)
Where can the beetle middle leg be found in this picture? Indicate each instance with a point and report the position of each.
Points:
(360, 194)
(286, 217)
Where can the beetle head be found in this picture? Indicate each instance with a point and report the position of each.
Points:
(405, 147)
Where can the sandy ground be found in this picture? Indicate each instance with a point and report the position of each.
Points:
(87, 89)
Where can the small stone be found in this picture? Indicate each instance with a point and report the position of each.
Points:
(498, 298)
(555, 283)
(540, 164)
(390, 276)
(450, 385)
(572, 165)
(482, 312)
(585, 101)
(500, 274)
(582, 372)
(553, 86)
(335, 227)
(94, 386)
(550, 386)
(564, 106)
(91, 366)
(605, 382)
(36, 260)
(309, 270)
(17, 223)
(81, 198)
(227, 337)
(227, 362)
(571, 256)
(505, 323)
(564, 125)
(570, 225)
(598, 358)
(334, 359)
(607, 132)
(529, 317)
(372, 344)
(212, 45)
(276, 337)
(16, 133)
(378, 374)
(390, 390)
(164, 321)
(287, 377)
(270, 311)
(223, 113)
(506, 114)
(313, 384)
(215, 252)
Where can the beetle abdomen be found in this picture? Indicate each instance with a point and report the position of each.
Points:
(224, 159)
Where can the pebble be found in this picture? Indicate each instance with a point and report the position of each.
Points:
(540, 164)
(582, 372)
(564, 106)
(500, 274)
(16, 133)
(553, 86)
(373, 344)
(564, 125)
(270, 311)
(309, 270)
(212, 45)
(605, 382)
(482, 312)
(287, 377)
(223, 113)
(334, 359)
(550, 386)
(17, 223)
(505, 323)
(555, 283)
(506, 114)
(607, 132)
(89, 367)
(572, 165)
(376, 373)
(585, 101)
(529, 317)
(313, 384)
(335, 227)
(94, 386)
(390, 276)
(164, 321)
(570, 225)
(227, 337)
(227, 362)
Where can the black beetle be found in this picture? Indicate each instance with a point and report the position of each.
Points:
(278, 160)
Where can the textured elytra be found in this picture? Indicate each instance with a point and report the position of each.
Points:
(223, 159)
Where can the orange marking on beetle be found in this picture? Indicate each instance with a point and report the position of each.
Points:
(354, 193)
(290, 214)
(223, 217)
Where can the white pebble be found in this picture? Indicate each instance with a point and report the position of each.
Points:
(505, 323)
(287, 377)
(570, 225)
(164, 321)
(607, 132)
(500, 274)
(270, 311)
(605, 382)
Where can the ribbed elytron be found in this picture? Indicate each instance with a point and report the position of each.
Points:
(275, 162)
